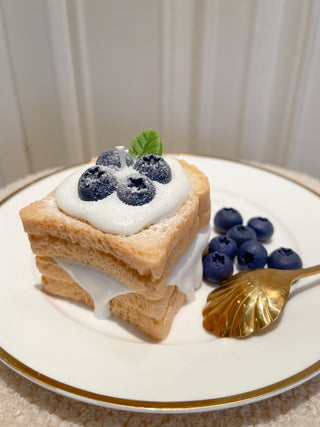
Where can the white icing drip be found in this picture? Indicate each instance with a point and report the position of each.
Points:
(100, 285)
(186, 275)
(187, 272)
(114, 216)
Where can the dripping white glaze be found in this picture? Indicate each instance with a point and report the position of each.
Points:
(186, 275)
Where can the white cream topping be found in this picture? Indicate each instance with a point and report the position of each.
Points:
(186, 275)
(114, 216)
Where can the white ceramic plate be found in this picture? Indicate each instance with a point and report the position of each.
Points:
(61, 346)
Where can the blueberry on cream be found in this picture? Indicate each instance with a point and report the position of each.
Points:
(112, 159)
(136, 190)
(155, 168)
(96, 183)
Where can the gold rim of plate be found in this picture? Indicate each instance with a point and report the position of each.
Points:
(159, 406)
(119, 403)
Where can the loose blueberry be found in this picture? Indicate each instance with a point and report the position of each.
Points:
(241, 233)
(252, 254)
(284, 259)
(223, 244)
(112, 159)
(96, 183)
(226, 218)
(136, 190)
(217, 267)
(155, 168)
(262, 227)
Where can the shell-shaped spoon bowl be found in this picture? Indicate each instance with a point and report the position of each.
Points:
(250, 300)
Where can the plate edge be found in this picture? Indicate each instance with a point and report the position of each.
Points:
(159, 406)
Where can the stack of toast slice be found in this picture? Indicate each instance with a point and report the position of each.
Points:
(142, 261)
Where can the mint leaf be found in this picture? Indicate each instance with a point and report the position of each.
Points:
(147, 142)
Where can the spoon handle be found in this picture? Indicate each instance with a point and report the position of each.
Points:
(304, 272)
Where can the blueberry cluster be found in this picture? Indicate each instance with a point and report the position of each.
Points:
(100, 180)
(243, 242)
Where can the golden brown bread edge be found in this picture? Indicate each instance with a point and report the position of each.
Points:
(141, 261)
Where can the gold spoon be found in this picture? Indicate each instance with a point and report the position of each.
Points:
(250, 300)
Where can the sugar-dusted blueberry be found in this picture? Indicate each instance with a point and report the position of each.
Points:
(136, 190)
(241, 233)
(96, 183)
(217, 267)
(284, 259)
(112, 159)
(252, 254)
(226, 218)
(223, 244)
(155, 168)
(263, 228)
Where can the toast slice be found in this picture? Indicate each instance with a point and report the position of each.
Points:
(145, 284)
(141, 261)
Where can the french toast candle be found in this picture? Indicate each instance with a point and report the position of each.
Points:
(138, 216)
